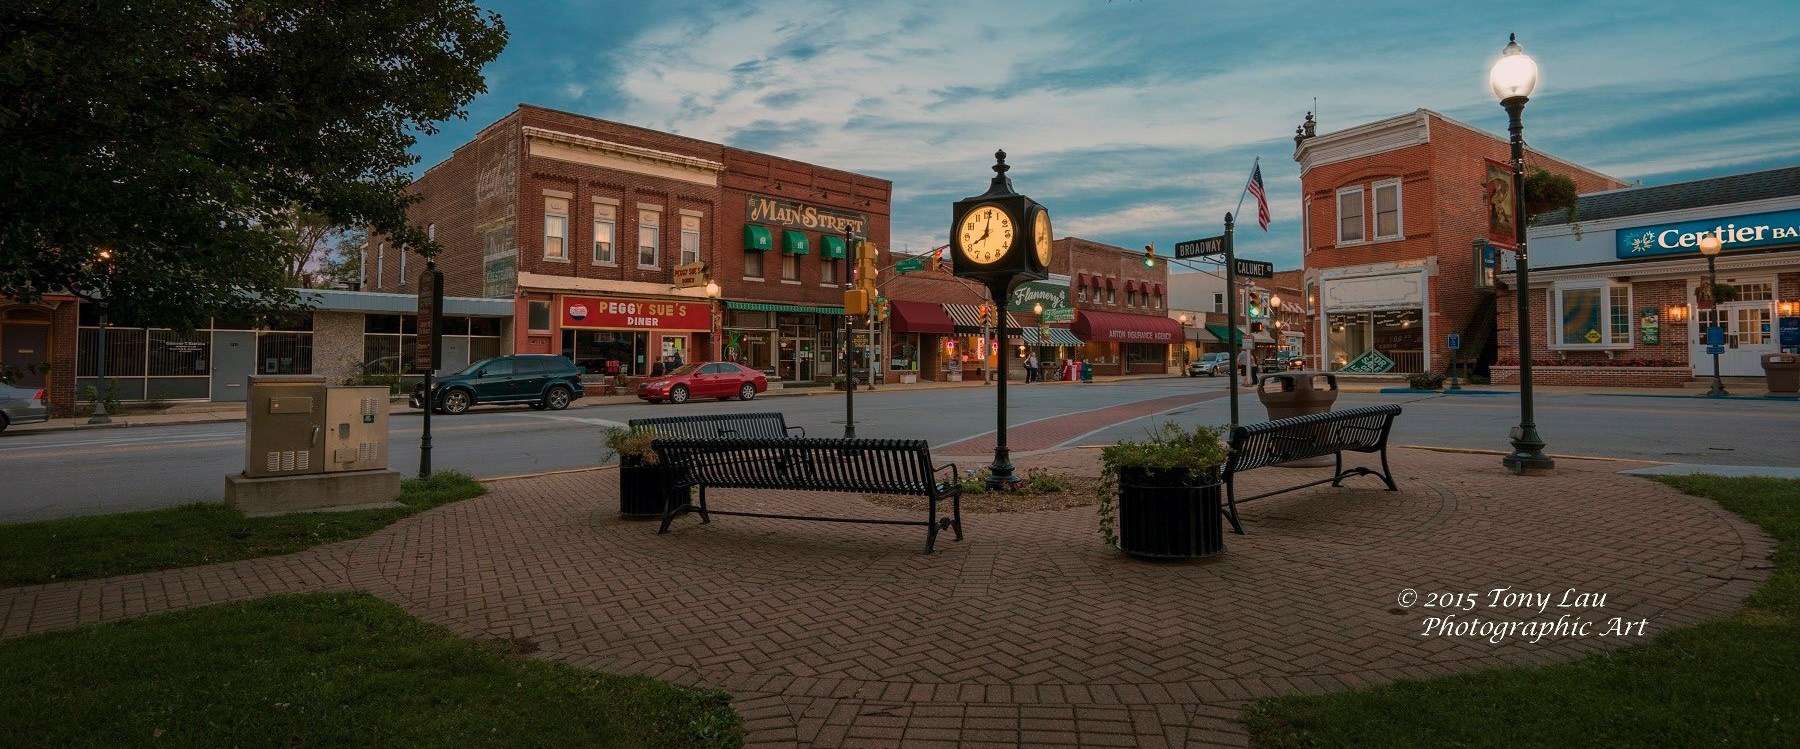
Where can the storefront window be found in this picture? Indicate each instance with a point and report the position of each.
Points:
(1592, 315)
(1397, 335)
(1144, 353)
(608, 352)
(284, 353)
(538, 316)
(903, 353)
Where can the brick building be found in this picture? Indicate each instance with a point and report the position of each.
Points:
(1389, 212)
(591, 227)
(1621, 296)
(38, 340)
(1121, 307)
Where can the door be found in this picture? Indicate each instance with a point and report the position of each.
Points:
(25, 348)
(530, 376)
(1749, 333)
(455, 354)
(233, 360)
(720, 380)
(494, 381)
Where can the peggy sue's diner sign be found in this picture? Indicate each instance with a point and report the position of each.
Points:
(634, 314)
(1735, 233)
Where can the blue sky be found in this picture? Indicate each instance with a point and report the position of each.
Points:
(1137, 121)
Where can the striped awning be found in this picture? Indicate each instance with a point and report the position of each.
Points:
(1053, 337)
(968, 317)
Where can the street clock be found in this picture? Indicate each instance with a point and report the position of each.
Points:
(1000, 237)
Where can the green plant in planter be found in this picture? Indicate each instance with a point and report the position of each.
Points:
(1426, 381)
(632, 445)
(1171, 454)
(1546, 192)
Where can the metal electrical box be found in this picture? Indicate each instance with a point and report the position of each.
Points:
(356, 428)
(285, 426)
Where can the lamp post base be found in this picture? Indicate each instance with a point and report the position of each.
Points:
(1717, 390)
(1000, 475)
(1528, 452)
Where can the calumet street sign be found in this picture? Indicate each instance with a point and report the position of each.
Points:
(1253, 268)
(1200, 247)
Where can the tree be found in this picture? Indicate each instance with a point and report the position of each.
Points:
(158, 149)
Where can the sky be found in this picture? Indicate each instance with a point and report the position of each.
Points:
(1138, 122)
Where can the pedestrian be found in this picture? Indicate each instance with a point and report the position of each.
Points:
(1031, 367)
(656, 369)
(1247, 366)
(675, 361)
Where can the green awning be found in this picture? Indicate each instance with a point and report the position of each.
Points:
(1219, 332)
(756, 238)
(771, 307)
(793, 242)
(831, 247)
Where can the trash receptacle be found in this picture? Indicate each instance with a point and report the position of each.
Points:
(1287, 394)
(1782, 372)
(1087, 371)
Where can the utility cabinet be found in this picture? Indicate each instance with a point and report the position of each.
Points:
(285, 426)
(356, 428)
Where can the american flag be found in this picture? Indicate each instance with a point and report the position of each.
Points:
(1255, 187)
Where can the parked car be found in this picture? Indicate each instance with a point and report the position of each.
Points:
(717, 379)
(22, 406)
(1283, 362)
(1211, 365)
(543, 381)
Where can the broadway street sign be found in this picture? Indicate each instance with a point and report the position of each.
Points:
(1253, 268)
(1200, 247)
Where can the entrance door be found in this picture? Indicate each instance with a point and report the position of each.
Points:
(25, 348)
(233, 359)
(1749, 333)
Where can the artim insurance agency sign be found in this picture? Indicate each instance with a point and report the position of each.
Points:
(1735, 233)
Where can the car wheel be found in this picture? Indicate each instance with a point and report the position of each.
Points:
(456, 402)
(3, 422)
(747, 392)
(557, 399)
(678, 394)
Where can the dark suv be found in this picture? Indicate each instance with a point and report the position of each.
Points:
(542, 380)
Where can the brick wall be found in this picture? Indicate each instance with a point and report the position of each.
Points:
(748, 173)
(1073, 256)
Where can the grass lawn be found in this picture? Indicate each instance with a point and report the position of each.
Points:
(326, 670)
(1733, 682)
(106, 545)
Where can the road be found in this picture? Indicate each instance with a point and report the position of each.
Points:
(93, 471)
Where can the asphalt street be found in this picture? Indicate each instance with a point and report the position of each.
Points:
(109, 470)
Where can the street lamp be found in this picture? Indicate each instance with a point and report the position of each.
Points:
(1513, 79)
(102, 391)
(1710, 246)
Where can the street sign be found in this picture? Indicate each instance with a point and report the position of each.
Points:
(690, 276)
(909, 265)
(1253, 268)
(1715, 350)
(1715, 336)
(1455, 341)
(1200, 247)
(428, 354)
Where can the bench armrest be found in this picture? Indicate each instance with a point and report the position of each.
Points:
(954, 474)
(802, 431)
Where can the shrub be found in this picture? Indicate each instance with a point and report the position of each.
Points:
(1199, 452)
(632, 444)
(1426, 381)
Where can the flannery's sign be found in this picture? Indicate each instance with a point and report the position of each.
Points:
(1735, 233)
(766, 210)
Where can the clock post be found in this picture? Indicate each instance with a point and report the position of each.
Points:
(999, 239)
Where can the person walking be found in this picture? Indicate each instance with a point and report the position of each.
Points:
(1247, 366)
(1031, 367)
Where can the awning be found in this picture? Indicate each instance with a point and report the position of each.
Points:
(756, 238)
(831, 247)
(1201, 335)
(1110, 281)
(1121, 327)
(968, 318)
(770, 307)
(1218, 333)
(793, 242)
(1053, 337)
(1081, 279)
(1158, 287)
(920, 317)
(1130, 285)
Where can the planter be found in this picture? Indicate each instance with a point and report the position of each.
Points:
(1170, 514)
(643, 489)
(909, 378)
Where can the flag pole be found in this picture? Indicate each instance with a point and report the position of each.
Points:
(1246, 191)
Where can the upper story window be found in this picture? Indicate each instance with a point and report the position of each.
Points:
(1110, 299)
(1387, 210)
(556, 229)
(537, 316)
(753, 265)
(690, 239)
(1218, 302)
(1306, 226)
(1350, 215)
(828, 271)
(606, 232)
(790, 267)
(649, 227)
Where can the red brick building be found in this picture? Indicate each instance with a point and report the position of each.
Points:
(1390, 210)
(1121, 306)
(590, 227)
(38, 340)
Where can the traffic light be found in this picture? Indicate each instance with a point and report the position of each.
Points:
(987, 314)
(1150, 255)
(881, 309)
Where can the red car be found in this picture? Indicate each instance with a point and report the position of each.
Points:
(716, 379)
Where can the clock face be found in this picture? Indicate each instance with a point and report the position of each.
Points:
(985, 234)
(1040, 235)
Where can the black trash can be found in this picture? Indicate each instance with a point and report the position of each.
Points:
(644, 488)
(1170, 514)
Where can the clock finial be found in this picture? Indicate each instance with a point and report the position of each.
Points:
(1001, 182)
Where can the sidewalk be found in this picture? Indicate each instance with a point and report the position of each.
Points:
(208, 413)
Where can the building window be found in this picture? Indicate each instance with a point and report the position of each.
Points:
(690, 240)
(1350, 215)
(1218, 302)
(828, 271)
(556, 229)
(402, 279)
(538, 316)
(753, 265)
(380, 264)
(649, 225)
(606, 231)
(1306, 226)
(790, 267)
(1110, 298)
(1387, 210)
(1592, 315)
(1081, 294)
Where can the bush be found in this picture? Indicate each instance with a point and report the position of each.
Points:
(1169, 448)
(92, 396)
(1035, 481)
(1426, 381)
(633, 444)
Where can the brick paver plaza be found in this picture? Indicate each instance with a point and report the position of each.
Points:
(1029, 631)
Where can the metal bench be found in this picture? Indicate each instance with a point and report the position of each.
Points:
(1363, 430)
(770, 425)
(874, 466)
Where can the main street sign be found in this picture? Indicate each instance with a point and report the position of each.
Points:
(1253, 268)
(1200, 247)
